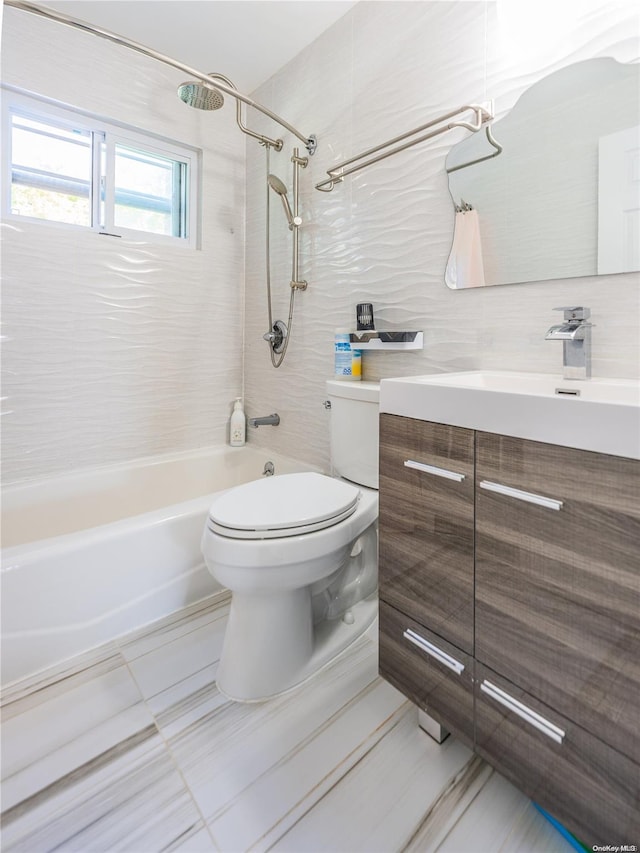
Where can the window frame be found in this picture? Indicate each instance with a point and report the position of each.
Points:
(107, 134)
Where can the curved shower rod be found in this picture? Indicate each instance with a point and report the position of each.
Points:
(309, 142)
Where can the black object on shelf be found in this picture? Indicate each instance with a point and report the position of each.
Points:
(364, 315)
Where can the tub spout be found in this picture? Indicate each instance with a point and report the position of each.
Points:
(268, 420)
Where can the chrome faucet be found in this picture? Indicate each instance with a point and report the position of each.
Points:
(268, 420)
(575, 334)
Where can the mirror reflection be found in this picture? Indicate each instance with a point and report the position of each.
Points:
(563, 197)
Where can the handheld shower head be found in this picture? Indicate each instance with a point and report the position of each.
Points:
(277, 186)
(200, 95)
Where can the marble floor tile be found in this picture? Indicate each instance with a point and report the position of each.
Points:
(132, 747)
(276, 799)
(391, 794)
(175, 665)
(69, 724)
(169, 664)
(174, 626)
(18, 696)
(498, 818)
(84, 767)
(239, 749)
(133, 799)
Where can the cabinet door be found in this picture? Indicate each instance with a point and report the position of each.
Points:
(558, 581)
(589, 787)
(426, 525)
(432, 673)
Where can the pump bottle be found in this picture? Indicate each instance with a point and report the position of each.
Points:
(237, 425)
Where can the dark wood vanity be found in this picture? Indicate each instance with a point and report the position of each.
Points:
(510, 610)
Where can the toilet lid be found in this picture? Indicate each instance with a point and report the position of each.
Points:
(284, 505)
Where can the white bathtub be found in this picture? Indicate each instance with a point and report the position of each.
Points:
(95, 554)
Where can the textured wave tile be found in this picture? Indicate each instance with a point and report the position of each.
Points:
(111, 343)
(384, 234)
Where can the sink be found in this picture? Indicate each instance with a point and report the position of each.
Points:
(602, 415)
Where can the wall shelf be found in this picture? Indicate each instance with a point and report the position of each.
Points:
(374, 340)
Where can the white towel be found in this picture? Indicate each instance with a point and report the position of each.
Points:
(465, 267)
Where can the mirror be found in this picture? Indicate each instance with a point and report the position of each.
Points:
(563, 197)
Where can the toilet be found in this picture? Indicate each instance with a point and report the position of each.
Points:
(299, 554)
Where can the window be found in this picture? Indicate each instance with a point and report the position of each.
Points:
(78, 172)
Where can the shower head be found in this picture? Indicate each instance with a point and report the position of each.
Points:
(277, 186)
(200, 95)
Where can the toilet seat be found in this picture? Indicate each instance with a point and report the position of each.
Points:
(285, 505)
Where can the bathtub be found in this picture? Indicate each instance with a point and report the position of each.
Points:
(90, 556)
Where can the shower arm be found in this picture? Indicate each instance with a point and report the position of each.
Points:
(263, 140)
(483, 113)
(309, 142)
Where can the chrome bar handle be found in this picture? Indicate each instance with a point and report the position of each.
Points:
(518, 494)
(523, 711)
(434, 651)
(432, 469)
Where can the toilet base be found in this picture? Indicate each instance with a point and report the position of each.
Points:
(258, 664)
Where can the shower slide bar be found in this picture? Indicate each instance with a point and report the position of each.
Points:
(482, 114)
(309, 142)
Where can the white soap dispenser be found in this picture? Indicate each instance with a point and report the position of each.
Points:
(237, 425)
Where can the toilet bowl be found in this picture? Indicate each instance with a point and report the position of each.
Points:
(299, 554)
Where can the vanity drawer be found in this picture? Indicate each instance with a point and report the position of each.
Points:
(558, 581)
(426, 523)
(589, 787)
(435, 675)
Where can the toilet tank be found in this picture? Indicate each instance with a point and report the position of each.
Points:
(354, 430)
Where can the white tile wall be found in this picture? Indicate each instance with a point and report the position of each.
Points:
(384, 235)
(117, 349)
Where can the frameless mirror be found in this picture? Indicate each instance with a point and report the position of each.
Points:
(563, 197)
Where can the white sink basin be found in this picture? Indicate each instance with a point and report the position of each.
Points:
(602, 415)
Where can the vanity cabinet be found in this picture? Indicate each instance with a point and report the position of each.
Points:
(589, 787)
(558, 580)
(426, 548)
(431, 672)
(544, 549)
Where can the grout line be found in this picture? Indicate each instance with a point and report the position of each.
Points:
(172, 757)
(399, 713)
